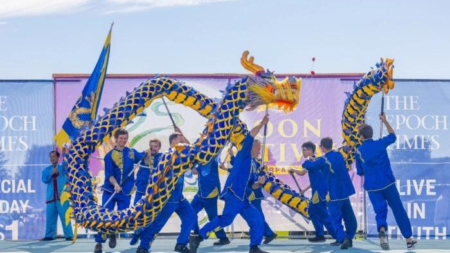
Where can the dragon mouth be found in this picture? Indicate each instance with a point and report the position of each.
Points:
(283, 95)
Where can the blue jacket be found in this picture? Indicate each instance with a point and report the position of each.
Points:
(251, 193)
(318, 181)
(119, 164)
(143, 175)
(177, 193)
(208, 180)
(339, 184)
(372, 162)
(255, 171)
(55, 184)
(240, 176)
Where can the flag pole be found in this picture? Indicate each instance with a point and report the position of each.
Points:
(263, 151)
(170, 114)
(382, 112)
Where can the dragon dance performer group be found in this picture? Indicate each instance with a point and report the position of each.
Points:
(160, 178)
(330, 184)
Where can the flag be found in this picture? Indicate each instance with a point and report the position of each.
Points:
(85, 109)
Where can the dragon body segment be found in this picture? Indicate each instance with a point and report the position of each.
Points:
(355, 108)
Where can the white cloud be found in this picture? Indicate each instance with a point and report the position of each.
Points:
(20, 8)
(17, 8)
(140, 5)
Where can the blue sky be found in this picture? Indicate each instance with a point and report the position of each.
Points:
(42, 37)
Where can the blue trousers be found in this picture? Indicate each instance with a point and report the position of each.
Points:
(210, 206)
(122, 201)
(342, 210)
(390, 196)
(267, 230)
(53, 210)
(188, 219)
(320, 217)
(233, 207)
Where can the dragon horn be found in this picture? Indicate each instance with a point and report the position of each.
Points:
(249, 65)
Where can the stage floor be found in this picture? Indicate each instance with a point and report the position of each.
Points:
(237, 245)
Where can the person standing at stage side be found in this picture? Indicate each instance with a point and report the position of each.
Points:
(55, 177)
(318, 210)
(372, 163)
(207, 196)
(119, 162)
(340, 188)
(143, 177)
(176, 203)
(236, 201)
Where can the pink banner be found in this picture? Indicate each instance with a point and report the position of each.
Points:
(318, 115)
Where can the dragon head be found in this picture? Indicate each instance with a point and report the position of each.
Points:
(265, 88)
(389, 65)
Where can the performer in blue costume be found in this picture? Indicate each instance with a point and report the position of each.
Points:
(207, 196)
(236, 201)
(176, 203)
(55, 177)
(143, 176)
(318, 210)
(340, 188)
(255, 195)
(372, 163)
(119, 162)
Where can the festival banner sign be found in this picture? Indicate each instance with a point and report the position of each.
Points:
(419, 113)
(318, 115)
(26, 132)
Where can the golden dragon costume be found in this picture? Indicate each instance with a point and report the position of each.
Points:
(223, 126)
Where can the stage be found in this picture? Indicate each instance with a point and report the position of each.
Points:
(237, 245)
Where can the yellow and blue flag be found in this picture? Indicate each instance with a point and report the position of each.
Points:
(85, 109)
